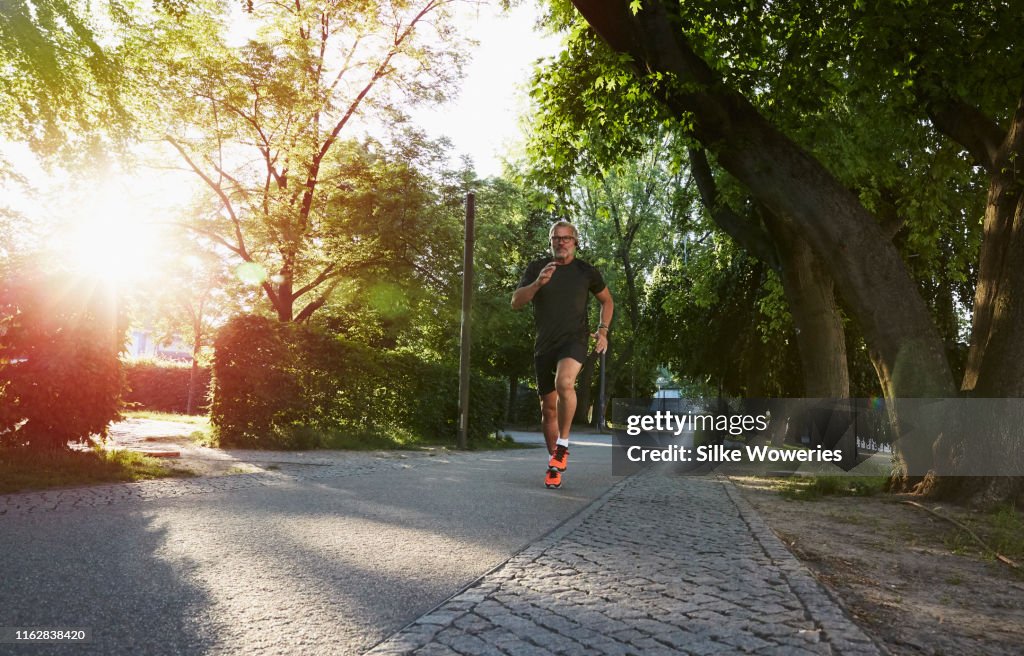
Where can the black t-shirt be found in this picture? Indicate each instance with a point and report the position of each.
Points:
(560, 307)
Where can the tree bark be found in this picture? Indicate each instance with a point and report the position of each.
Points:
(820, 337)
(995, 362)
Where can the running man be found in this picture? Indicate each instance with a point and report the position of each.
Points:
(560, 288)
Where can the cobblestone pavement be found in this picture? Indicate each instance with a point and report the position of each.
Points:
(286, 467)
(659, 565)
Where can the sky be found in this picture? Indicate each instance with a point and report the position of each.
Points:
(483, 121)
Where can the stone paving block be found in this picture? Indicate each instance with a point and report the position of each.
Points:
(745, 643)
(665, 565)
(444, 618)
(472, 623)
(464, 643)
(436, 649)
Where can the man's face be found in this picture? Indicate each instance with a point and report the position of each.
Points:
(563, 244)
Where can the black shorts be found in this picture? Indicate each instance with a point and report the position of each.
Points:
(547, 363)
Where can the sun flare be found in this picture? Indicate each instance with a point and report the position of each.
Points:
(111, 237)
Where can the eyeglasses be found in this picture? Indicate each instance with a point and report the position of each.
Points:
(562, 239)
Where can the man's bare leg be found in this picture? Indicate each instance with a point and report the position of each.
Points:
(565, 388)
(549, 418)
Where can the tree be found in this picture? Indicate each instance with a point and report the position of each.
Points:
(508, 229)
(263, 126)
(566, 138)
(866, 267)
(807, 287)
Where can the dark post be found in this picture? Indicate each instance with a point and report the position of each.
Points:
(600, 396)
(467, 305)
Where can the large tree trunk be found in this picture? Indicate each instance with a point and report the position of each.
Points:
(995, 362)
(819, 326)
(807, 286)
(864, 265)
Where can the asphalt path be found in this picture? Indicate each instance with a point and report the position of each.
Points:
(325, 566)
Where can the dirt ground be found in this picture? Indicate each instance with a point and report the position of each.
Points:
(912, 580)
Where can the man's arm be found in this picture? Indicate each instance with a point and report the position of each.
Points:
(525, 294)
(604, 297)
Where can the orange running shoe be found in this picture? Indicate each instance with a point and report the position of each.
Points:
(559, 459)
(553, 478)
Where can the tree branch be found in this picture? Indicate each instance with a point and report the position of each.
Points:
(241, 250)
(968, 126)
(329, 271)
(751, 237)
(379, 72)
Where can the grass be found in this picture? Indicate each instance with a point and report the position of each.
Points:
(1002, 529)
(202, 435)
(1006, 534)
(365, 440)
(23, 470)
(816, 487)
(198, 420)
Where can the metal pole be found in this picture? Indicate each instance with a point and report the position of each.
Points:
(600, 396)
(467, 305)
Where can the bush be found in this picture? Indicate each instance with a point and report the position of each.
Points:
(60, 372)
(163, 386)
(279, 385)
(255, 392)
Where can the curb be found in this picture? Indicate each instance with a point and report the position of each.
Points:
(819, 603)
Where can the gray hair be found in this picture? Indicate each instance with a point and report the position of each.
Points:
(564, 224)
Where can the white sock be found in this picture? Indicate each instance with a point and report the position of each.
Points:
(562, 441)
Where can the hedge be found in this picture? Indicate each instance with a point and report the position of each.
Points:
(60, 376)
(163, 386)
(280, 385)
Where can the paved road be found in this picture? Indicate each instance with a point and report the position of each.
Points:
(325, 556)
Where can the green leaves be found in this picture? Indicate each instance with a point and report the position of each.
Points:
(267, 126)
(60, 376)
(60, 90)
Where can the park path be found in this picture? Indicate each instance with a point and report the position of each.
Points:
(662, 564)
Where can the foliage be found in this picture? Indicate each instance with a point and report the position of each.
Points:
(792, 60)
(748, 353)
(163, 386)
(285, 386)
(264, 125)
(510, 232)
(60, 376)
(58, 86)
